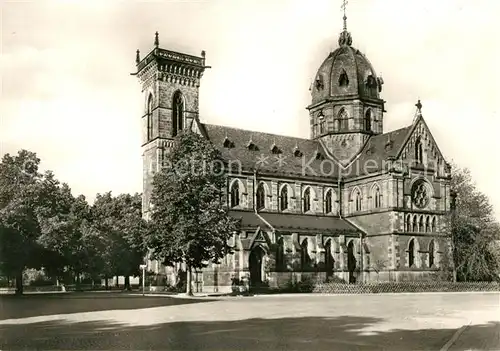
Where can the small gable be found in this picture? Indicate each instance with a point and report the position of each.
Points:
(420, 148)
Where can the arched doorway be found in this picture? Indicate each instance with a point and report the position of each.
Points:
(351, 262)
(256, 265)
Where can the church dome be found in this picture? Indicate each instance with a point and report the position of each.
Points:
(346, 72)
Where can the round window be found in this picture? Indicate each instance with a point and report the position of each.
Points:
(420, 194)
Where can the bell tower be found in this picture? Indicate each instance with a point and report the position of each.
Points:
(170, 84)
(346, 108)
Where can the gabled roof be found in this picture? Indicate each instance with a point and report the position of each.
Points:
(377, 150)
(264, 151)
(412, 129)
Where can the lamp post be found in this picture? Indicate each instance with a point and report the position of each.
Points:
(143, 267)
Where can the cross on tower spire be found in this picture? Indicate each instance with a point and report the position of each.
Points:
(344, 7)
(345, 37)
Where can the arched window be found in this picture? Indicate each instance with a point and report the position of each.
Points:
(408, 223)
(431, 253)
(411, 253)
(177, 113)
(321, 126)
(304, 255)
(434, 227)
(357, 199)
(235, 194)
(421, 227)
(368, 120)
(150, 117)
(419, 151)
(307, 200)
(261, 196)
(415, 224)
(427, 224)
(280, 255)
(328, 202)
(343, 79)
(343, 119)
(376, 197)
(284, 198)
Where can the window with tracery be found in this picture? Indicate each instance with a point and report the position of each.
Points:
(177, 113)
(307, 200)
(150, 117)
(343, 118)
(235, 194)
(261, 197)
(419, 151)
(328, 202)
(284, 198)
(357, 200)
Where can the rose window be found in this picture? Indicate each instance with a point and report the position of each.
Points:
(420, 194)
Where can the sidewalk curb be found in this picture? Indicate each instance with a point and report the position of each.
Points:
(455, 337)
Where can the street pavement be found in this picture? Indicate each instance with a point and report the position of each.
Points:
(431, 321)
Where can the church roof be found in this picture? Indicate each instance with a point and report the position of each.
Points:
(377, 150)
(264, 151)
(293, 222)
(270, 153)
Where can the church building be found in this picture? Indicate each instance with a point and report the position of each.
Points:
(351, 203)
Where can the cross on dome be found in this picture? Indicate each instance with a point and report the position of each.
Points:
(345, 37)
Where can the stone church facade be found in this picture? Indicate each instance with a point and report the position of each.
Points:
(350, 202)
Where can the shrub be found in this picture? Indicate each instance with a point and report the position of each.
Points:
(397, 287)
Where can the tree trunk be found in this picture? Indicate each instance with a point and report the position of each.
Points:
(117, 279)
(127, 282)
(78, 287)
(19, 282)
(189, 288)
(106, 283)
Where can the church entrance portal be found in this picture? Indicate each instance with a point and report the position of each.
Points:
(256, 265)
(351, 262)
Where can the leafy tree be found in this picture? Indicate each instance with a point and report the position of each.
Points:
(474, 228)
(67, 230)
(19, 228)
(119, 220)
(189, 223)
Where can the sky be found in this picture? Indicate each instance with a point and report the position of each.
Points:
(67, 93)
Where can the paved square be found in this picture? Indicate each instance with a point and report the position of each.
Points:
(274, 322)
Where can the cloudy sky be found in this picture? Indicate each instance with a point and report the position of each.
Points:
(68, 95)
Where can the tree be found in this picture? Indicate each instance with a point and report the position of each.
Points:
(120, 222)
(19, 227)
(67, 229)
(473, 228)
(189, 223)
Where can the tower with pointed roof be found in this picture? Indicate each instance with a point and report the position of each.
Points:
(170, 84)
(346, 108)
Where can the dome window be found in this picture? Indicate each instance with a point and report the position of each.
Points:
(371, 82)
(319, 82)
(343, 79)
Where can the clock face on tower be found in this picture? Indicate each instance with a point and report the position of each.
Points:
(420, 194)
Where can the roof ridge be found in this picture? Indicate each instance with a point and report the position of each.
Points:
(259, 132)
